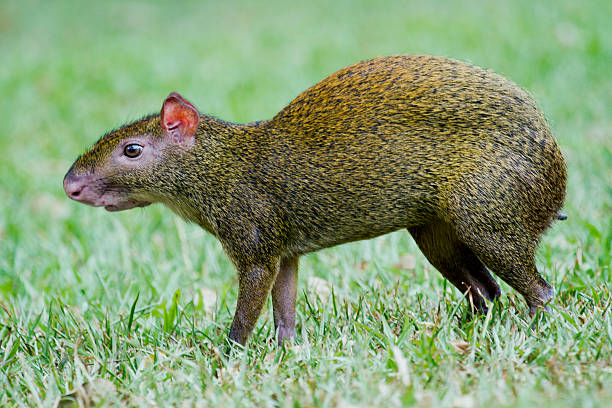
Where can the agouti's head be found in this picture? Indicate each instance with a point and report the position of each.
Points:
(128, 167)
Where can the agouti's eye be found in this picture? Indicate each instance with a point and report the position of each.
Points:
(132, 150)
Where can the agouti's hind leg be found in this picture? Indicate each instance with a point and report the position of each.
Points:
(509, 254)
(284, 293)
(518, 269)
(457, 263)
(500, 215)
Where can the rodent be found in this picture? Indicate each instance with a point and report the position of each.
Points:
(459, 156)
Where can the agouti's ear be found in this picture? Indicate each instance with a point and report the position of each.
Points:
(179, 119)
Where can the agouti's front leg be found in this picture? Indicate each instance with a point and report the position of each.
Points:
(284, 292)
(254, 283)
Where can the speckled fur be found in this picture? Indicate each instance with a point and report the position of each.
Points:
(459, 156)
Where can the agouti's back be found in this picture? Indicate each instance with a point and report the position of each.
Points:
(381, 145)
(459, 156)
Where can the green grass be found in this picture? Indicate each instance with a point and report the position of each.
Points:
(134, 308)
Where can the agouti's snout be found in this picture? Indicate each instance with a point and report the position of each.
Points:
(88, 189)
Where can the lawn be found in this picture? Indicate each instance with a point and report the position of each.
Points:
(133, 308)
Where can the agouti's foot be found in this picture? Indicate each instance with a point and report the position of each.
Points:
(545, 296)
(285, 333)
(533, 309)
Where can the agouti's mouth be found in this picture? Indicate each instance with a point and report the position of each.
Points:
(126, 205)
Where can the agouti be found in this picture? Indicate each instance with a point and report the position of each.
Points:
(460, 157)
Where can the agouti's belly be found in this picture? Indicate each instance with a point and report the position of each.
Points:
(325, 220)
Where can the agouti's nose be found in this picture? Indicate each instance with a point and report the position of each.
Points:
(73, 186)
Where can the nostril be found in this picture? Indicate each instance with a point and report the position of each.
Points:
(74, 188)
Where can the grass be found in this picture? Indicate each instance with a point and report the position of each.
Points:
(133, 308)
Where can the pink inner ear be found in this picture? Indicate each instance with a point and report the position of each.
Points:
(179, 118)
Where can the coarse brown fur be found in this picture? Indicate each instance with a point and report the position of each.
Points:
(459, 156)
